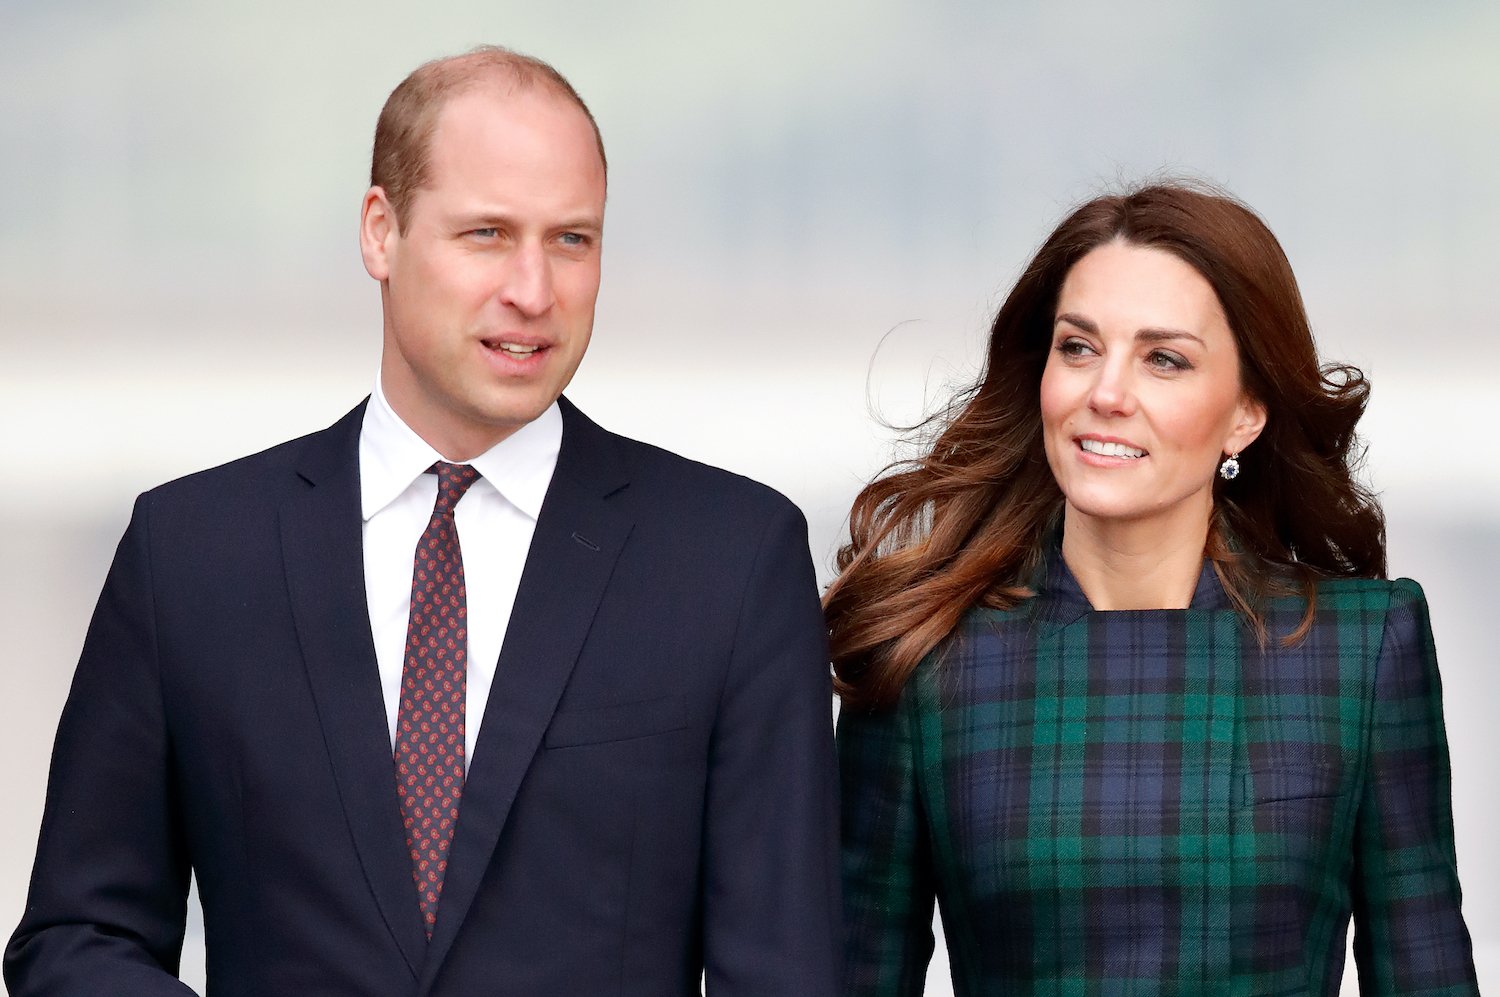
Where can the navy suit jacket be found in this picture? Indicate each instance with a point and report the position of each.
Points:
(652, 793)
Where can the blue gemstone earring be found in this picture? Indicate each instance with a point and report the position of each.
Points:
(1230, 469)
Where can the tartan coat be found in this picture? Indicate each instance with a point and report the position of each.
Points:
(1148, 802)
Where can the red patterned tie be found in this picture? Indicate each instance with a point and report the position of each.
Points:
(430, 721)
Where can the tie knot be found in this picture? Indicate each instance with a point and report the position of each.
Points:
(453, 481)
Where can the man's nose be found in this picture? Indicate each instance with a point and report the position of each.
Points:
(527, 286)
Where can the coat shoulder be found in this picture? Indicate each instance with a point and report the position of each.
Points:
(1366, 594)
(1382, 610)
(257, 481)
(689, 487)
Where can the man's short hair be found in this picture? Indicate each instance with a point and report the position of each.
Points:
(403, 135)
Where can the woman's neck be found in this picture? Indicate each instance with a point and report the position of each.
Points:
(1133, 564)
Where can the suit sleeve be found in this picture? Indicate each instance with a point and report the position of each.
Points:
(771, 890)
(888, 879)
(1409, 933)
(107, 907)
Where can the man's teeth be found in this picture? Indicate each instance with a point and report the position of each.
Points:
(518, 349)
(1110, 449)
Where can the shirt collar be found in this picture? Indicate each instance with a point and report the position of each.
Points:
(392, 456)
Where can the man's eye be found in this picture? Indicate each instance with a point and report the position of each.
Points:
(484, 233)
(574, 239)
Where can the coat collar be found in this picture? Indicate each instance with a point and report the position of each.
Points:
(1060, 600)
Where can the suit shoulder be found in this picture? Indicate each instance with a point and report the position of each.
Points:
(253, 477)
(251, 466)
(231, 477)
(658, 472)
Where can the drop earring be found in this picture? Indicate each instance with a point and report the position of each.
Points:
(1230, 469)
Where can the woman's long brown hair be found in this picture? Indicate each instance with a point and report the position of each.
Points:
(965, 524)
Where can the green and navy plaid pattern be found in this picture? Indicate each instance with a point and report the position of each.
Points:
(1148, 803)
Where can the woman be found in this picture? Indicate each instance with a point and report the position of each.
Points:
(1123, 685)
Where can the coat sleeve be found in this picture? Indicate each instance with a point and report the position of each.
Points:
(771, 889)
(1409, 932)
(888, 879)
(107, 908)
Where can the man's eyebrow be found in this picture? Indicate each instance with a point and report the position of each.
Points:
(583, 222)
(498, 219)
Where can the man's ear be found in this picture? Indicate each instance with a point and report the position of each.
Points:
(1250, 419)
(378, 233)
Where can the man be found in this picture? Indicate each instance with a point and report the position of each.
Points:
(551, 719)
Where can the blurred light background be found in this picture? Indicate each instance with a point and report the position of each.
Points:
(814, 208)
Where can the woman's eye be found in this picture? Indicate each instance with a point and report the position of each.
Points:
(1074, 348)
(1167, 360)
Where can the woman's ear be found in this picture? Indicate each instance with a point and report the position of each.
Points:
(1249, 420)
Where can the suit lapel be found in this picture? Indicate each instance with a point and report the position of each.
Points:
(323, 552)
(579, 536)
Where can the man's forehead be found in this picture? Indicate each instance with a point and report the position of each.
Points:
(493, 128)
(498, 104)
(522, 147)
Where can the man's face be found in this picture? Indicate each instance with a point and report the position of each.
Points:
(489, 294)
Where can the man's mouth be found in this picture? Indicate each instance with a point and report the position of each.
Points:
(509, 348)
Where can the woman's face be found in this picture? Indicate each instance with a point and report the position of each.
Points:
(1141, 394)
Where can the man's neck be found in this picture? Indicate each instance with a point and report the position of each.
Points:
(455, 442)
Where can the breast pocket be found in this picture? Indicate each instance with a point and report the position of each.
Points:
(1290, 781)
(617, 722)
(1293, 808)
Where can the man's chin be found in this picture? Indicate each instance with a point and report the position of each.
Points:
(512, 415)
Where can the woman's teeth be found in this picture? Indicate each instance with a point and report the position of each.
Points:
(1110, 449)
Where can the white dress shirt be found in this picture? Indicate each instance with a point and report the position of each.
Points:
(495, 518)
